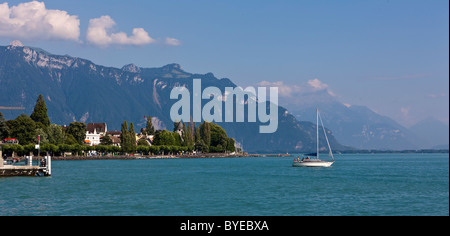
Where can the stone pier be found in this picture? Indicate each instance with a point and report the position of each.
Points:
(10, 171)
(26, 170)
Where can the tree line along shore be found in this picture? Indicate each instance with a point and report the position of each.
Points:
(68, 142)
(21, 136)
(168, 156)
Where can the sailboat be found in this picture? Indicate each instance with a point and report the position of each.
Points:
(310, 161)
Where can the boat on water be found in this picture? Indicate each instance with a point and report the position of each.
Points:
(309, 160)
(312, 163)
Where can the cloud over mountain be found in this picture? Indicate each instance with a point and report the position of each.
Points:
(32, 20)
(98, 33)
(293, 91)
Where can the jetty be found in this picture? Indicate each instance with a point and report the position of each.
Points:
(15, 167)
(11, 168)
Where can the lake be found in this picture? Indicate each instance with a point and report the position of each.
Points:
(357, 184)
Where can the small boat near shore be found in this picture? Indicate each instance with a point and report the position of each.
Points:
(315, 162)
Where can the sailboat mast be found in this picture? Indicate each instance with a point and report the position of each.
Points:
(326, 138)
(317, 132)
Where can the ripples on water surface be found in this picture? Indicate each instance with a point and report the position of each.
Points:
(381, 184)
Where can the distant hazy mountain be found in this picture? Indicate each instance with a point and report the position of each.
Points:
(76, 89)
(433, 133)
(356, 126)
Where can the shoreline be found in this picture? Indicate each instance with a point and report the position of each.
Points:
(219, 155)
(182, 156)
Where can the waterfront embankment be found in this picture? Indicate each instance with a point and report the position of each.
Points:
(185, 156)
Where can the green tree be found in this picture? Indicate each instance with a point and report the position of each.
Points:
(143, 142)
(114, 149)
(177, 139)
(188, 135)
(218, 136)
(29, 149)
(43, 135)
(101, 149)
(220, 142)
(4, 130)
(55, 134)
(78, 131)
(13, 150)
(154, 149)
(132, 141)
(205, 132)
(106, 140)
(125, 137)
(230, 145)
(124, 134)
(150, 130)
(62, 148)
(69, 139)
(201, 146)
(175, 125)
(39, 114)
(143, 149)
(49, 148)
(164, 137)
(128, 138)
(197, 136)
(23, 128)
(77, 149)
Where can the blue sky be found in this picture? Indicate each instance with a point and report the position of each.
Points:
(389, 55)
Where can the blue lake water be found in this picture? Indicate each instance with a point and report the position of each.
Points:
(379, 184)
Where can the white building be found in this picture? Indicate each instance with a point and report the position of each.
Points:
(94, 132)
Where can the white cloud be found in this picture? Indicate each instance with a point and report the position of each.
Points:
(437, 95)
(172, 42)
(406, 117)
(301, 95)
(99, 33)
(283, 90)
(31, 20)
(317, 84)
(405, 111)
(292, 90)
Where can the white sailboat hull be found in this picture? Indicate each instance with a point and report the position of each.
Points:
(316, 162)
(312, 163)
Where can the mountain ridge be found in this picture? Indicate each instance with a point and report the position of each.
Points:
(77, 89)
(434, 133)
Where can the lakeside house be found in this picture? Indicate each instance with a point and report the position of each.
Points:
(146, 137)
(95, 131)
(115, 137)
(10, 141)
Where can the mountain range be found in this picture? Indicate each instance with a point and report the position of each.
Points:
(362, 128)
(432, 133)
(77, 89)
